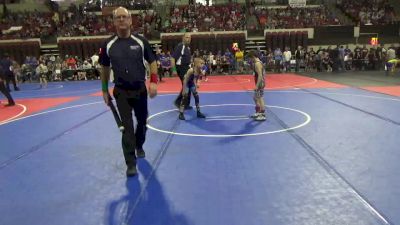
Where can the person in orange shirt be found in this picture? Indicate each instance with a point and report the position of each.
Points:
(71, 62)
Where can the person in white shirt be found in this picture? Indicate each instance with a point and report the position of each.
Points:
(82, 75)
(95, 60)
(287, 56)
(42, 70)
(391, 53)
(211, 62)
(86, 65)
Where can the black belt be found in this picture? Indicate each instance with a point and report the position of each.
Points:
(137, 85)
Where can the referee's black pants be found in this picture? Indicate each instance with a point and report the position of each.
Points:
(6, 93)
(128, 101)
(181, 70)
(11, 78)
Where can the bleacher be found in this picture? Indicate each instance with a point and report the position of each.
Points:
(80, 32)
(367, 12)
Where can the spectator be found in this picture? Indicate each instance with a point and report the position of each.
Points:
(287, 56)
(278, 59)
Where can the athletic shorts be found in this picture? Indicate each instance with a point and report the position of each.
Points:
(191, 88)
(259, 93)
(389, 66)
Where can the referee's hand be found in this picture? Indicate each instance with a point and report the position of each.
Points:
(106, 98)
(153, 90)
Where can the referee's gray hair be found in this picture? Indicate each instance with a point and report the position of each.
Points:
(115, 11)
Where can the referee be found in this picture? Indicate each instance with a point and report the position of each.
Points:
(3, 88)
(180, 62)
(125, 53)
(9, 75)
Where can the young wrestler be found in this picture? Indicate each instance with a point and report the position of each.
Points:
(260, 84)
(190, 83)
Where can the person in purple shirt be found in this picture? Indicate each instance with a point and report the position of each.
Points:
(165, 60)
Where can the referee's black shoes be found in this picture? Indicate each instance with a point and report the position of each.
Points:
(200, 115)
(131, 171)
(10, 104)
(140, 153)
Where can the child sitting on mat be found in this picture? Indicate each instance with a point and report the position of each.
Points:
(390, 66)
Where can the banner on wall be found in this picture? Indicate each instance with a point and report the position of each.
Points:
(12, 30)
(235, 47)
(297, 3)
(374, 41)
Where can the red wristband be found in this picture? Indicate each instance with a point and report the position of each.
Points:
(153, 78)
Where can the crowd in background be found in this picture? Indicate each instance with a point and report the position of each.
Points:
(329, 59)
(287, 17)
(54, 68)
(197, 17)
(74, 22)
(33, 25)
(96, 5)
(368, 12)
(81, 20)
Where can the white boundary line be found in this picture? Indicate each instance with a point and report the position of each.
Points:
(301, 92)
(50, 111)
(344, 94)
(164, 95)
(245, 80)
(274, 88)
(63, 93)
(294, 85)
(217, 117)
(19, 114)
(238, 118)
(308, 119)
(241, 81)
(54, 87)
